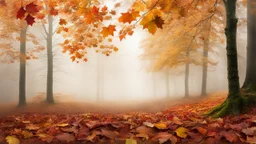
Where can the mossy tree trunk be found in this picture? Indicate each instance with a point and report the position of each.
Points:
(49, 85)
(22, 73)
(250, 80)
(235, 102)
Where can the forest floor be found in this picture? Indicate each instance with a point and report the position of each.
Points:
(161, 121)
(69, 106)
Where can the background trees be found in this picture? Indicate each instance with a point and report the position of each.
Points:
(12, 30)
(192, 24)
(250, 80)
(182, 39)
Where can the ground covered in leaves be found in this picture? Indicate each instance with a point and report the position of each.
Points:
(180, 123)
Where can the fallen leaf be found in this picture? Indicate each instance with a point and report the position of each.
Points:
(202, 130)
(32, 127)
(62, 125)
(148, 124)
(130, 141)
(251, 140)
(109, 134)
(12, 140)
(250, 131)
(142, 135)
(160, 125)
(181, 132)
(66, 137)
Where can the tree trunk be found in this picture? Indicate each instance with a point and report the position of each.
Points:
(154, 88)
(232, 62)
(235, 103)
(167, 84)
(205, 58)
(22, 77)
(99, 78)
(187, 77)
(49, 87)
(250, 79)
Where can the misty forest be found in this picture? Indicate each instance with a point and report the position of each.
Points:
(127, 71)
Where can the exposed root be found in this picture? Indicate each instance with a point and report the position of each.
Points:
(231, 106)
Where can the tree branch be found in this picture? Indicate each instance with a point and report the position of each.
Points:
(44, 28)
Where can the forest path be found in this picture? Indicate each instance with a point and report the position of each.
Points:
(105, 106)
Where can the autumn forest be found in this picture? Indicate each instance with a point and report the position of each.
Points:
(127, 71)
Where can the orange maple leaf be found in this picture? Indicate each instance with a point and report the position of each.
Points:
(62, 22)
(104, 9)
(128, 17)
(106, 31)
(54, 12)
(93, 15)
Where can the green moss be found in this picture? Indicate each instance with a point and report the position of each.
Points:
(231, 106)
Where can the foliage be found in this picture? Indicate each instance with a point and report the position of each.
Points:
(10, 32)
(182, 38)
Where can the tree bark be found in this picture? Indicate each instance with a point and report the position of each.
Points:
(205, 57)
(167, 81)
(187, 77)
(22, 75)
(154, 88)
(232, 62)
(235, 102)
(99, 78)
(49, 86)
(250, 79)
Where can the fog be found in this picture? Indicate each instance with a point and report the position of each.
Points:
(122, 76)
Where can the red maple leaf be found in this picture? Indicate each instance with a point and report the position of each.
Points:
(21, 13)
(32, 8)
(30, 20)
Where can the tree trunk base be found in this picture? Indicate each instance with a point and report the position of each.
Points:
(203, 94)
(50, 101)
(249, 88)
(231, 106)
(21, 104)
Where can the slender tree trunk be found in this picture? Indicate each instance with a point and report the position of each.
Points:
(99, 78)
(49, 87)
(154, 84)
(22, 77)
(235, 102)
(205, 57)
(167, 84)
(250, 80)
(187, 76)
(102, 80)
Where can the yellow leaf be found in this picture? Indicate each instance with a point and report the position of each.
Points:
(12, 140)
(62, 125)
(160, 125)
(181, 132)
(130, 141)
(32, 127)
(27, 134)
